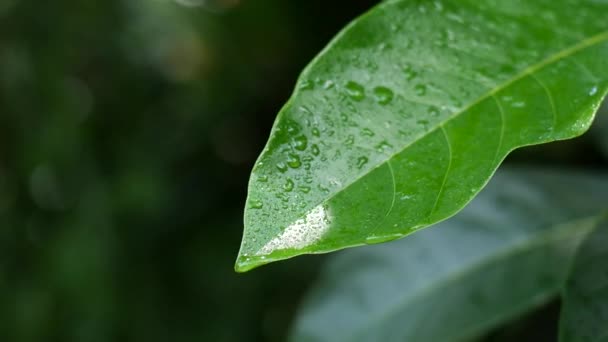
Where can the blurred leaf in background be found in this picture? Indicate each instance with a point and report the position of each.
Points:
(127, 133)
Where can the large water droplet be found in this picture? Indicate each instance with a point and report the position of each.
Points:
(361, 161)
(355, 91)
(288, 186)
(293, 161)
(420, 89)
(300, 142)
(383, 95)
(256, 204)
(281, 167)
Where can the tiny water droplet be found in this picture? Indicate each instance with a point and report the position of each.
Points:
(288, 186)
(307, 85)
(519, 104)
(367, 132)
(420, 89)
(361, 162)
(256, 204)
(300, 142)
(433, 111)
(304, 189)
(263, 179)
(355, 91)
(281, 167)
(438, 6)
(423, 122)
(593, 91)
(328, 84)
(315, 150)
(294, 161)
(344, 117)
(383, 95)
(383, 145)
(410, 74)
(315, 132)
(350, 140)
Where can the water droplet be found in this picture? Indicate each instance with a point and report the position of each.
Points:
(410, 74)
(423, 122)
(300, 142)
(519, 104)
(367, 132)
(433, 111)
(361, 162)
(288, 186)
(328, 84)
(263, 179)
(315, 132)
(294, 161)
(315, 150)
(420, 89)
(383, 145)
(344, 117)
(593, 91)
(355, 91)
(383, 95)
(256, 204)
(304, 189)
(350, 140)
(307, 85)
(438, 6)
(281, 167)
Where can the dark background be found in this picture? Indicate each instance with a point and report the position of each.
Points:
(127, 133)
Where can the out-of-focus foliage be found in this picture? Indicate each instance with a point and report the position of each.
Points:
(127, 132)
(584, 315)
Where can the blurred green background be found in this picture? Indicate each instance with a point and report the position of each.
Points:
(127, 133)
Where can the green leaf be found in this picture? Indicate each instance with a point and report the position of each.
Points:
(585, 298)
(404, 117)
(502, 255)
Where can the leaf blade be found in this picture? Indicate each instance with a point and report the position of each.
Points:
(345, 133)
(585, 297)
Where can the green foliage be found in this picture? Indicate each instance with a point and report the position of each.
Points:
(497, 258)
(404, 117)
(585, 309)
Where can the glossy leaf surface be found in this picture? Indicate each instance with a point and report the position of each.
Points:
(585, 298)
(404, 117)
(507, 252)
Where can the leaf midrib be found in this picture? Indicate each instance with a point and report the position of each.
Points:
(569, 51)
